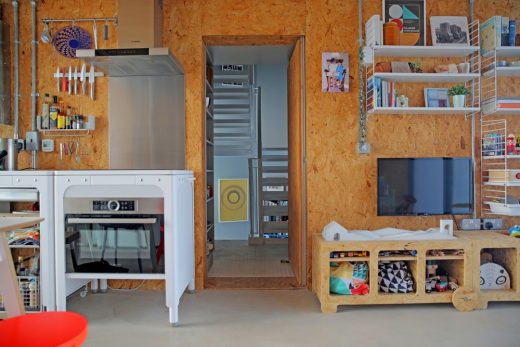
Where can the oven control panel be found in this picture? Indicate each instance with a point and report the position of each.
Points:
(114, 205)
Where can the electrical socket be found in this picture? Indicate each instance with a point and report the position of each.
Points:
(492, 224)
(470, 224)
(363, 148)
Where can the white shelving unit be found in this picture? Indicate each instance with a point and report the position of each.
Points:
(466, 54)
(497, 190)
(210, 178)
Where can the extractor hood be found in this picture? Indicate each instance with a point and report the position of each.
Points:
(123, 62)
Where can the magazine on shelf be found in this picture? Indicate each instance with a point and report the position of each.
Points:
(490, 34)
(373, 31)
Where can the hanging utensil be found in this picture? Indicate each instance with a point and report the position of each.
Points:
(94, 29)
(105, 31)
(76, 76)
(58, 72)
(70, 80)
(46, 34)
(78, 159)
(91, 79)
(83, 78)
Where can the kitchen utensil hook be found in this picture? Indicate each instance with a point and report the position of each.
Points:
(105, 31)
(46, 34)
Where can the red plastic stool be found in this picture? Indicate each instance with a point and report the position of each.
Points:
(45, 329)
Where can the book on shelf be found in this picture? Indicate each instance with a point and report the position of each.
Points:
(385, 93)
(508, 105)
(512, 32)
(504, 32)
(491, 34)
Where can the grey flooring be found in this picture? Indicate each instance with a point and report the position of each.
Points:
(238, 259)
(287, 318)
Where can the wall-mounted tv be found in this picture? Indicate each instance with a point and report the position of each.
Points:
(424, 186)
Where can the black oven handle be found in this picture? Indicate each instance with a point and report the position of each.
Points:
(112, 220)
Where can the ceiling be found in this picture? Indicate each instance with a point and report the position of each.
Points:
(249, 55)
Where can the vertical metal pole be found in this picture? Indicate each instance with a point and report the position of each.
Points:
(473, 129)
(33, 76)
(16, 68)
(253, 198)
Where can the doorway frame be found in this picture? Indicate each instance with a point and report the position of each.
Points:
(258, 282)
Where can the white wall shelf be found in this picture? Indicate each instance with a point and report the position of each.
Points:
(426, 77)
(423, 110)
(505, 71)
(504, 52)
(424, 51)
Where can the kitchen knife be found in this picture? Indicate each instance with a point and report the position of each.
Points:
(70, 80)
(58, 78)
(83, 78)
(76, 76)
(91, 79)
(64, 81)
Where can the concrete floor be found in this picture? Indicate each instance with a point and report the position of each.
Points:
(238, 259)
(288, 318)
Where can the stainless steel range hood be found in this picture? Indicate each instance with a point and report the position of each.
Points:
(124, 62)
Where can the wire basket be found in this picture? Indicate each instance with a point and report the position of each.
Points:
(29, 291)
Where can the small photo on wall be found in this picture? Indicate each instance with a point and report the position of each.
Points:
(436, 97)
(449, 31)
(335, 72)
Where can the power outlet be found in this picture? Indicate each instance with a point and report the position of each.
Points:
(470, 224)
(492, 224)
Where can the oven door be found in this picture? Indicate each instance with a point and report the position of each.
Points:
(113, 243)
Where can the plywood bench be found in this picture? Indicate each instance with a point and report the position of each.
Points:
(465, 267)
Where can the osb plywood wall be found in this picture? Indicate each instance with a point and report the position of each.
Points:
(93, 151)
(341, 185)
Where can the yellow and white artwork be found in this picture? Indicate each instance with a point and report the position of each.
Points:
(233, 200)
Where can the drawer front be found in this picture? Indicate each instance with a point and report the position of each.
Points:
(113, 180)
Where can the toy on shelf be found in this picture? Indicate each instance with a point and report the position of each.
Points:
(511, 145)
(514, 231)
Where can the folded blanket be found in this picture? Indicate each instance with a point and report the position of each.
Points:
(336, 232)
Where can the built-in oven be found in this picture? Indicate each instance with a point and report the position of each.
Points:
(114, 235)
(124, 225)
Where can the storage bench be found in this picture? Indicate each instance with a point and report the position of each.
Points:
(461, 258)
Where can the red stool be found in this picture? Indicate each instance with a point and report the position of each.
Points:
(45, 329)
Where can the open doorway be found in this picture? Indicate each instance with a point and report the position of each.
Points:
(254, 165)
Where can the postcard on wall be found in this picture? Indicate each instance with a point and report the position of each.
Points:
(449, 31)
(410, 16)
(335, 74)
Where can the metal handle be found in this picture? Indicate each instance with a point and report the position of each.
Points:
(112, 220)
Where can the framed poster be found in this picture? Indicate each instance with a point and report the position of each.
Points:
(410, 16)
(334, 72)
(233, 200)
(449, 31)
(436, 97)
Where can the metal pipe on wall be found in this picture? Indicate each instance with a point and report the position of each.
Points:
(3, 90)
(16, 76)
(473, 129)
(34, 46)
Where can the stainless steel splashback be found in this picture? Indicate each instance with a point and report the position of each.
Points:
(146, 122)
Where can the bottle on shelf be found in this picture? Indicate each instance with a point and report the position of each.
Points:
(68, 118)
(61, 116)
(46, 111)
(54, 111)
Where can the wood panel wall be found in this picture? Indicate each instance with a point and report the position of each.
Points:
(341, 185)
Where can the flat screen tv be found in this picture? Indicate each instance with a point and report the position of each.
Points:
(424, 186)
